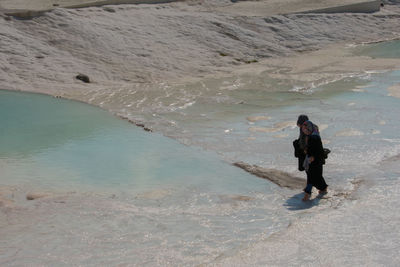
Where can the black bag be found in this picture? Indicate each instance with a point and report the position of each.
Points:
(326, 152)
(297, 150)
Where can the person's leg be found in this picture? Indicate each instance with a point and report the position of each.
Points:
(317, 179)
(308, 188)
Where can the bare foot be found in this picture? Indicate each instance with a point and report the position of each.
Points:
(323, 192)
(306, 197)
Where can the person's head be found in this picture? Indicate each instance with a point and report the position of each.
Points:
(301, 119)
(309, 128)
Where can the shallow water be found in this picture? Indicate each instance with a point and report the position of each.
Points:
(58, 143)
(103, 175)
(218, 113)
(120, 195)
(256, 125)
(388, 49)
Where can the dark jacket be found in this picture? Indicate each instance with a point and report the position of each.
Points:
(315, 149)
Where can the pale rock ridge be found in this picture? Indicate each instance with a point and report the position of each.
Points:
(137, 44)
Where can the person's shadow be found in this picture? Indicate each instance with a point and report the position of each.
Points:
(296, 202)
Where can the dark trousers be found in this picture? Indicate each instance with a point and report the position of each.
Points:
(315, 178)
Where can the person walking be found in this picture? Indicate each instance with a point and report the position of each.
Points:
(314, 160)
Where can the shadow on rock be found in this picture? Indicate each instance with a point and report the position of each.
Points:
(296, 202)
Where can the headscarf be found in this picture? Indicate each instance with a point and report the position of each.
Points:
(302, 137)
(311, 127)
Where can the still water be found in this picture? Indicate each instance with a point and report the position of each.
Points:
(55, 143)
